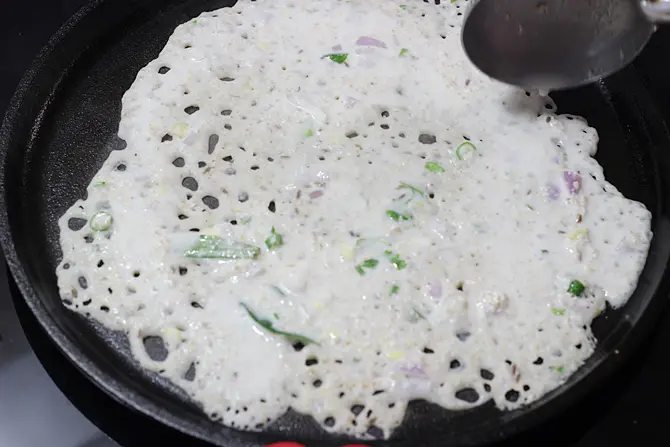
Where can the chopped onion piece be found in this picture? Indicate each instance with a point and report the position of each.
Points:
(573, 181)
(370, 42)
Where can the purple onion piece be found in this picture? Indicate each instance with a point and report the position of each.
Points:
(435, 289)
(370, 42)
(315, 194)
(350, 102)
(553, 192)
(414, 371)
(573, 181)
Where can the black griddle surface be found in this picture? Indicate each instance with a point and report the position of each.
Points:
(625, 409)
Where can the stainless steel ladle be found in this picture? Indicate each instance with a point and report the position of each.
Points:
(558, 44)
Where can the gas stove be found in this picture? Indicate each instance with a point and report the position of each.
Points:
(44, 400)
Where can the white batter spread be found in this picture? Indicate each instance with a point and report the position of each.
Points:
(323, 205)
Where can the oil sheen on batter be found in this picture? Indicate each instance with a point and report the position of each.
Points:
(322, 205)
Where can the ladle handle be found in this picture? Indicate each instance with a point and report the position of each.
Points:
(656, 10)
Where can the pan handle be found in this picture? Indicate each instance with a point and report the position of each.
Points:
(656, 10)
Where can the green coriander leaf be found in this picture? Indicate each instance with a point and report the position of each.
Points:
(394, 289)
(418, 314)
(309, 133)
(414, 189)
(434, 167)
(278, 290)
(274, 240)
(395, 259)
(367, 264)
(267, 325)
(370, 263)
(338, 58)
(403, 52)
(558, 312)
(393, 215)
(576, 288)
(397, 216)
